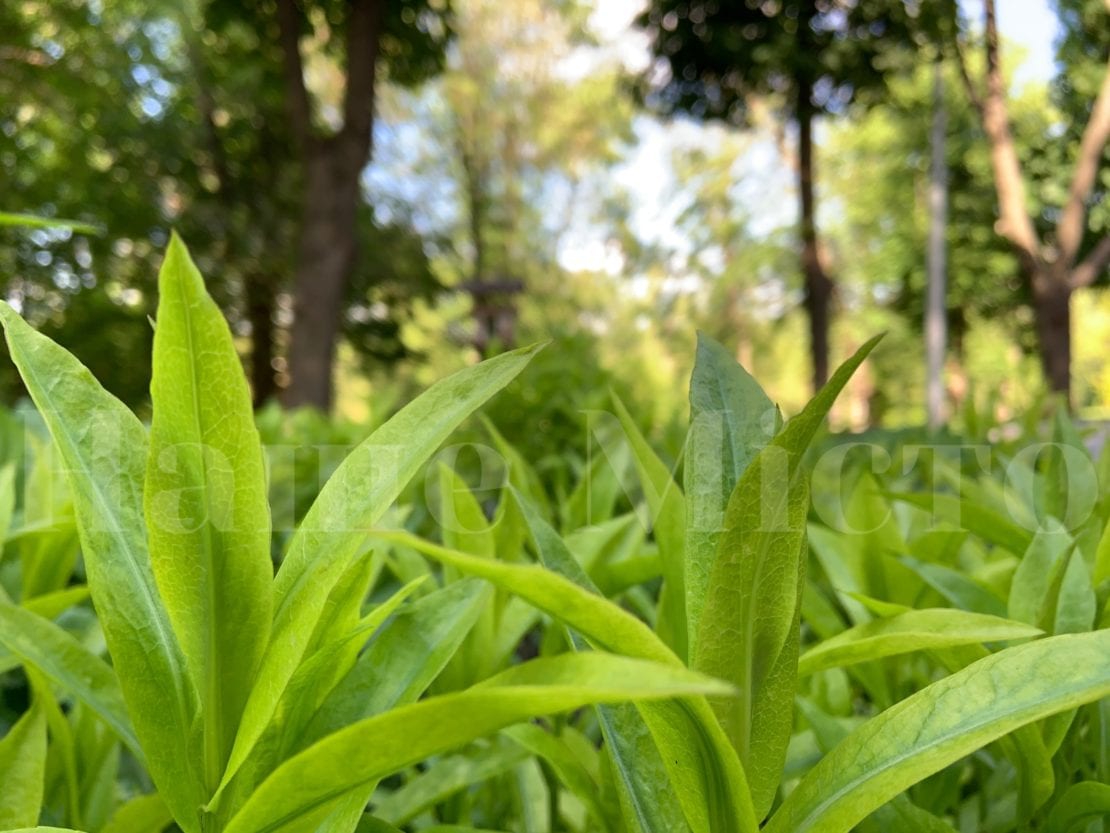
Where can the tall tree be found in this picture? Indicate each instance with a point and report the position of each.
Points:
(812, 57)
(403, 40)
(1056, 261)
(878, 176)
(936, 308)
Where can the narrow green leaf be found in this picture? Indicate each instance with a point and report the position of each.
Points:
(47, 558)
(521, 474)
(961, 513)
(904, 816)
(1025, 746)
(753, 597)
(61, 733)
(8, 218)
(731, 420)
(317, 692)
(650, 800)
(366, 751)
(1036, 580)
(532, 798)
(668, 514)
(321, 671)
(46, 541)
(7, 501)
(404, 658)
(1081, 803)
(208, 519)
(1076, 602)
(397, 667)
(1102, 552)
(52, 605)
(103, 446)
(1068, 485)
(343, 609)
(69, 664)
(868, 509)
(570, 771)
(956, 588)
(354, 498)
(142, 814)
(446, 777)
(941, 724)
(463, 526)
(602, 483)
(900, 814)
(369, 824)
(687, 733)
(839, 561)
(645, 788)
(676, 769)
(22, 769)
(463, 523)
(914, 630)
(594, 616)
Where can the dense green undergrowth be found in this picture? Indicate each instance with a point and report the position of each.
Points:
(336, 632)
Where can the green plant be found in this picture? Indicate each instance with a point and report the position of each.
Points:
(248, 697)
(734, 599)
(940, 663)
(34, 221)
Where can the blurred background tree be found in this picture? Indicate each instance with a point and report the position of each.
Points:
(381, 191)
(810, 59)
(1057, 249)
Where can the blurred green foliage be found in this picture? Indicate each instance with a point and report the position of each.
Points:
(520, 157)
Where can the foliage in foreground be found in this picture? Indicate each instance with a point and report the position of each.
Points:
(948, 680)
(234, 687)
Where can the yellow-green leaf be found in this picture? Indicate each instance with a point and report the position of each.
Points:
(941, 724)
(207, 514)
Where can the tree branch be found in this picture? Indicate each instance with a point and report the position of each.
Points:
(969, 84)
(31, 57)
(364, 31)
(1072, 222)
(1014, 222)
(297, 102)
(1093, 265)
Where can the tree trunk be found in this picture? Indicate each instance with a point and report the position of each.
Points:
(1052, 318)
(332, 169)
(1050, 286)
(1053, 271)
(326, 257)
(818, 285)
(261, 303)
(936, 321)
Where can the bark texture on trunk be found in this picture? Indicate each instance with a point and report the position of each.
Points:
(1052, 318)
(332, 167)
(325, 260)
(818, 284)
